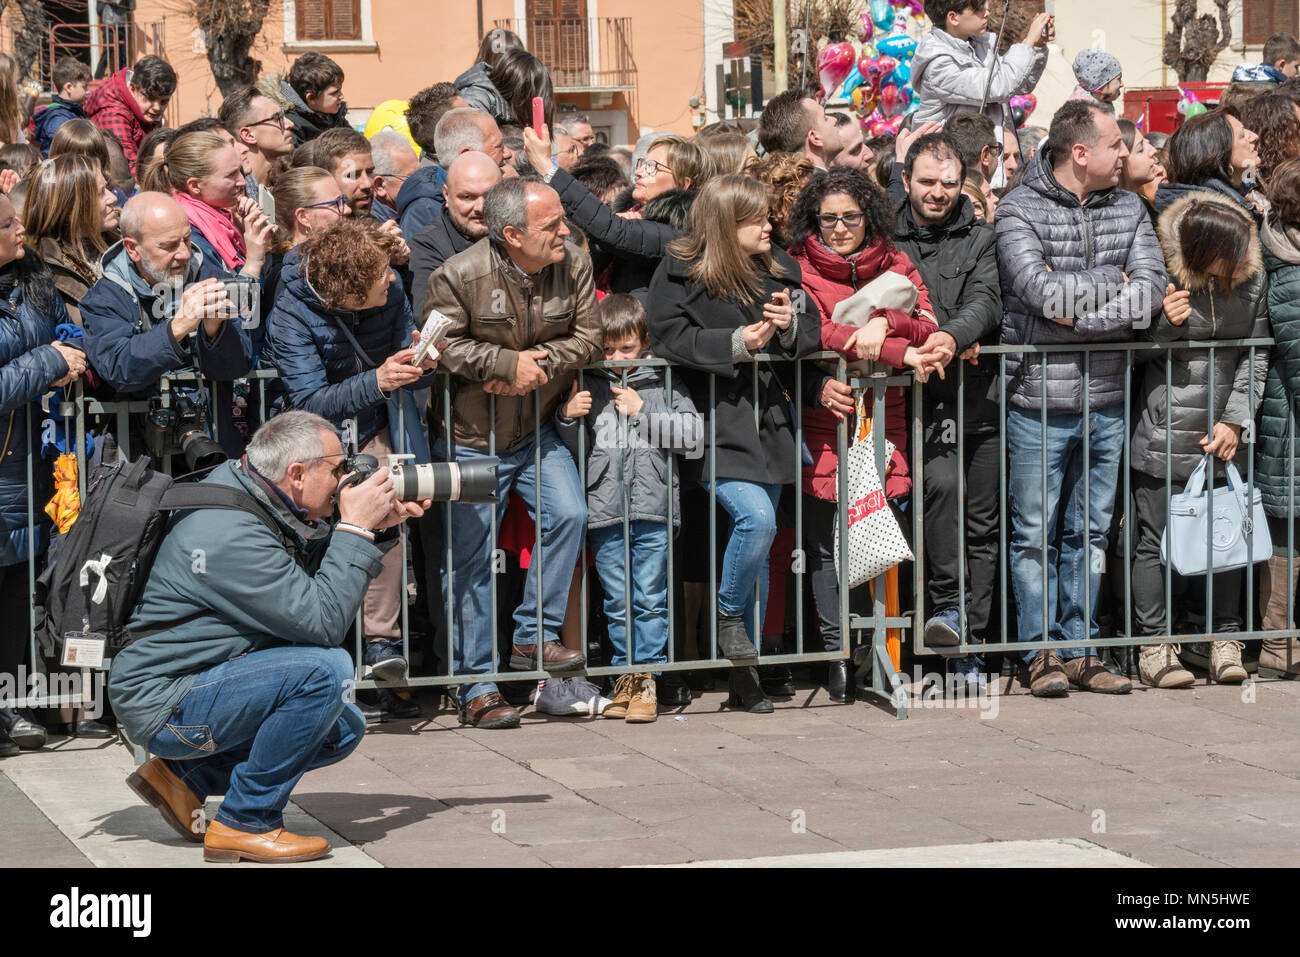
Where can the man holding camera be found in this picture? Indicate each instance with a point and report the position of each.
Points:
(237, 681)
(160, 307)
(521, 303)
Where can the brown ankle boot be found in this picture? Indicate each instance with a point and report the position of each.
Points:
(1279, 657)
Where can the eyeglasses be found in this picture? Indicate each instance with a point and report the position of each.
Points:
(337, 471)
(276, 118)
(651, 167)
(850, 220)
(338, 205)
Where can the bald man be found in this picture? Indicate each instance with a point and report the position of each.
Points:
(460, 225)
(159, 307)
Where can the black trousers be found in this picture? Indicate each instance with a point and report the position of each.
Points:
(1149, 573)
(15, 612)
(820, 522)
(982, 467)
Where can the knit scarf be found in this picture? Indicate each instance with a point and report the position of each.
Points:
(218, 227)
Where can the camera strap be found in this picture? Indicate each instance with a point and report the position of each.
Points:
(416, 441)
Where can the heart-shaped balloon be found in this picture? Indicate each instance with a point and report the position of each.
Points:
(887, 65)
(834, 62)
(1026, 101)
(882, 14)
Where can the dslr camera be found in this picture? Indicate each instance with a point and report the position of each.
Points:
(473, 482)
(178, 430)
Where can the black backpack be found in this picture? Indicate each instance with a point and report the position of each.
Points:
(97, 570)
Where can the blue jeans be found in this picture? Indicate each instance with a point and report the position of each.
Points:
(467, 585)
(252, 726)
(752, 508)
(649, 598)
(1030, 515)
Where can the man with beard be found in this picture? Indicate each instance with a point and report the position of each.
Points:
(854, 153)
(956, 255)
(159, 307)
(459, 225)
(345, 153)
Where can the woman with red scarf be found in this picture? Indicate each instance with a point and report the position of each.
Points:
(840, 227)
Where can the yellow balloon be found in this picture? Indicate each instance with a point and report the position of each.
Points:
(390, 115)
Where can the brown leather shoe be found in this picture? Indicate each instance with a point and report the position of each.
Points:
(1087, 673)
(556, 659)
(226, 845)
(157, 785)
(1047, 678)
(489, 711)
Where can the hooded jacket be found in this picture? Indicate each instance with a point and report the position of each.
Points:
(1187, 413)
(634, 451)
(255, 595)
(1277, 439)
(72, 279)
(476, 89)
(1089, 248)
(112, 107)
(29, 313)
(958, 262)
(830, 278)
(307, 123)
(695, 329)
(129, 337)
(497, 312)
(47, 120)
(1254, 202)
(949, 75)
(430, 248)
(319, 366)
(419, 201)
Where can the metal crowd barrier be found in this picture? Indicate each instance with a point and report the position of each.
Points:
(872, 623)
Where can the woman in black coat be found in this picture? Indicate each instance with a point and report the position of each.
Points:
(721, 296)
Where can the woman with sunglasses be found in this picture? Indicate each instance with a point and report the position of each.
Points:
(840, 228)
(634, 246)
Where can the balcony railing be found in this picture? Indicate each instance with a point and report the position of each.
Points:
(584, 55)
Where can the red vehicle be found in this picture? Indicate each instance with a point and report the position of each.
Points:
(1157, 106)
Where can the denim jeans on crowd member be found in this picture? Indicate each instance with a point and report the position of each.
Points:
(752, 507)
(649, 593)
(251, 727)
(1082, 548)
(467, 584)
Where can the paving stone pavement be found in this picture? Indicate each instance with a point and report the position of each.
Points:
(1206, 776)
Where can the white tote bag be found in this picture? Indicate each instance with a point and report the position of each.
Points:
(875, 542)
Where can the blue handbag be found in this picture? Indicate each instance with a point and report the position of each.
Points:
(1239, 531)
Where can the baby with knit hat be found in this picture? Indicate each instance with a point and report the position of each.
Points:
(1100, 76)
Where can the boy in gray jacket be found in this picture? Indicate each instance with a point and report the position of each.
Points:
(633, 424)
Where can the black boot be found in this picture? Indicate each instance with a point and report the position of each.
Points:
(838, 687)
(671, 689)
(7, 748)
(777, 680)
(733, 640)
(21, 729)
(747, 692)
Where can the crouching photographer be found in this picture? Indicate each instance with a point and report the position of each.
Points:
(236, 679)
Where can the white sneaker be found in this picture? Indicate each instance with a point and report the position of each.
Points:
(1225, 662)
(1159, 667)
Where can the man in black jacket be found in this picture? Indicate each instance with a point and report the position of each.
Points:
(956, 255)
(460, 224)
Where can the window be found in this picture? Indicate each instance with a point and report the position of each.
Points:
(327, 20)
(1260, 19)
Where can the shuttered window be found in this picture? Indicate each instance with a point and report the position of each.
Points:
(1260, 19)
(557, 35)
(328, 19)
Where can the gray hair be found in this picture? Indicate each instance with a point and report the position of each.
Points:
(457, 131)
(385, 147)
(289, 437)
(569, 120)
(506, 204)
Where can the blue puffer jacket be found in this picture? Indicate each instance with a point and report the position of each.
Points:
(1106, 275)
(419, 201)
(28, 365)
(321, 370)
(47, 121)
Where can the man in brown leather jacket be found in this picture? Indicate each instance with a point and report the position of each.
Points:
(521, 306)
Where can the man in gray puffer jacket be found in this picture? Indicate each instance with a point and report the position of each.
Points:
(1079, 263)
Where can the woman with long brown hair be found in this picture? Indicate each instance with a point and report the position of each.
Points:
(722, 296)
(11, 110)
(71, 217)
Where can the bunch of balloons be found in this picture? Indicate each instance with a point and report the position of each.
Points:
(877, 79)
(1021, 106)
(1189, 104)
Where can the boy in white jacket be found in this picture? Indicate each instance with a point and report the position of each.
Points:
(951, 65)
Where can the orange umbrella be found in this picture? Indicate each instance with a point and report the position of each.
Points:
(65, 506)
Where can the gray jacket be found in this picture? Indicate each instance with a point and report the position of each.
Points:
(633, 451)
(1063, 267)
(1236, 312)
(949, 76)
